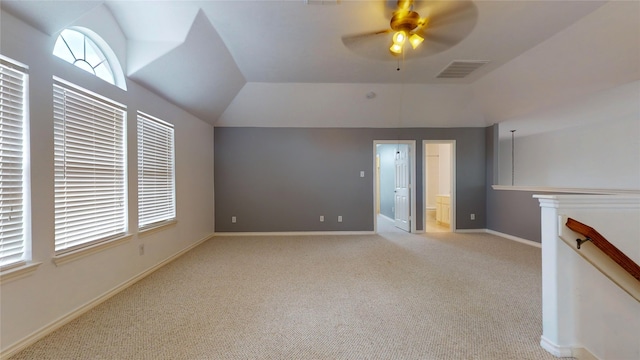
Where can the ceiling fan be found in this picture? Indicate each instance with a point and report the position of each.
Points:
(418, 28)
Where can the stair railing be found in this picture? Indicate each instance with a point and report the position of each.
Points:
(605, 246)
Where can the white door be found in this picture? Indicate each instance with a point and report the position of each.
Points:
(402, 189)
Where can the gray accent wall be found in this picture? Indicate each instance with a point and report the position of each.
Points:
(514, 213)
(284, 179)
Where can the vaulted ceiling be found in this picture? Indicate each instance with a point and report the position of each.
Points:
(216, 59)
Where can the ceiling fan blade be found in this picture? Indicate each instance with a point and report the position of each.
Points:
(347, 40)
(440, 39)
(443, 13)
(437, 35)
(446, 23)
(371, 45)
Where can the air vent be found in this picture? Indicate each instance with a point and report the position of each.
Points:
(459, 69)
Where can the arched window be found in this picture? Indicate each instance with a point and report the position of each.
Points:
(81, 50)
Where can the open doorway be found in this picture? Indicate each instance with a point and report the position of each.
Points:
(394, 195)
(439, 185)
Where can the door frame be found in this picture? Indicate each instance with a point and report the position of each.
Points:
(452, 223)
(412, 178)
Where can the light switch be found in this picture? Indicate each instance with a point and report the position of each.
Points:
(361, 173)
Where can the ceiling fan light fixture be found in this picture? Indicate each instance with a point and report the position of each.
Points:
(399, 38)
(405, 4)
(396, 48)
(415, 40)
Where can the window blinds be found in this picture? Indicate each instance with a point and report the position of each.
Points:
(12, 117)
(90, 193)
(156, 177)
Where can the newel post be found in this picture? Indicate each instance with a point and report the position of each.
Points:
(558, 290)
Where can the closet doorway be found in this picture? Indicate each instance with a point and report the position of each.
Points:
(394, 189)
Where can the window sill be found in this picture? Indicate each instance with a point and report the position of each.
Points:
(158, 227)
(18, 272)
(89, 250)
(567, 190)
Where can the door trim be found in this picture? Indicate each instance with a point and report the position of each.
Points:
(452, 224)
(412, 178)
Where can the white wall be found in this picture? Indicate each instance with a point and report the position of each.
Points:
(599, 52)
(346, 105)
(602, 153)
(432, 167)
(444, 165)
(31, 305)
(438, 172)
(573, 101)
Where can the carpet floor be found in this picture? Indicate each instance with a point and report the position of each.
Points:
(388, 296)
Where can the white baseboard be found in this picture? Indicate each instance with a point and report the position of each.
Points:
(506, 236)
(514, 238)
(554, 349)
(56, 324)
(294, 233)
(579, 353)
(470, 230)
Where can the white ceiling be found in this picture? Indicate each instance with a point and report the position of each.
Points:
(201, 55)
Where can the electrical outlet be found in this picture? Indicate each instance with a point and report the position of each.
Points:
(473, 216)
(339, 218)
(141, 249)
(321, 218)
(233, 219)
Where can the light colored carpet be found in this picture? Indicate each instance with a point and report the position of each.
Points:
(387, 296)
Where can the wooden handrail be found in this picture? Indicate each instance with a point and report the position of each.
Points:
(605, 246)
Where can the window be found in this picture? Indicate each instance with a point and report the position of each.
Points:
(88, 51)
(13, 82)
(156, 175)
(79, 50)
(90, 193)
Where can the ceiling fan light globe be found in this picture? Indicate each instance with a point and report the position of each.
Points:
(396, 48)
(399, 37)
(415, 40)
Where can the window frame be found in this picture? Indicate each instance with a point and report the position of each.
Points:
(77, 148)
(156, 137)
(19, 72)
(100, 47)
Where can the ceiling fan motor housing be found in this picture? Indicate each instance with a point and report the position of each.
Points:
(405, 21)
